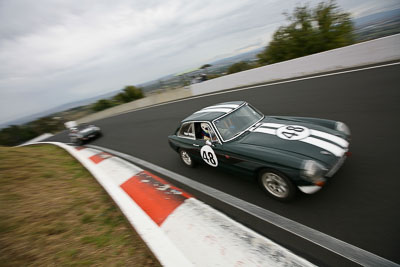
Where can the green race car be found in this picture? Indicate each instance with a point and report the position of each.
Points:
(284, 153)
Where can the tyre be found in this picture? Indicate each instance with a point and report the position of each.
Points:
(277, 185)
(186, 158)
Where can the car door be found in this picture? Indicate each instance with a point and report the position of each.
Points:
(203, 151)
(232, 161)
(187, 140)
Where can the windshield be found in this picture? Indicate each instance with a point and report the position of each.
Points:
(236, 122)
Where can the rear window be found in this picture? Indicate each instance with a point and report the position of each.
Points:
(187, 131)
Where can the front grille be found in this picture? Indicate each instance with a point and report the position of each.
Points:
(336, 167)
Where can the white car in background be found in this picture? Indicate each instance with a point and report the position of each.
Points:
(78, 134)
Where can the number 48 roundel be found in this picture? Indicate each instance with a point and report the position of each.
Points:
(208, 155)
(293, 132)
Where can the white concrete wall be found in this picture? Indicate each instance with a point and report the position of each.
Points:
(153, 99)
(38, 139)
(375, 51)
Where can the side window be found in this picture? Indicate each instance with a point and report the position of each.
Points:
(204, 131)
(186, 130)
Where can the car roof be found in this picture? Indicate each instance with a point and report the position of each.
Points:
(213, 112)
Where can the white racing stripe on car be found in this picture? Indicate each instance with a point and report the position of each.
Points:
(223, 106)
(223, 110)
(265, 130)
(272, 125)
(334, 149)
(219, 108)
(330, 137)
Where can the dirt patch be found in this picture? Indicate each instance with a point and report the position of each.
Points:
(53, 212)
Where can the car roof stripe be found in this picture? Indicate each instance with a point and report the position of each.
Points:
(223, 106)
(223, 110)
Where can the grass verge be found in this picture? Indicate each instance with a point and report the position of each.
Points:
(53, 212)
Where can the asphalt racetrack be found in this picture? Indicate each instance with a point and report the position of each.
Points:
(359, 205)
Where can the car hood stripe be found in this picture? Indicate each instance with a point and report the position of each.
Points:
(330, 137)
(335, 149)
(327, 136)
(266, 130)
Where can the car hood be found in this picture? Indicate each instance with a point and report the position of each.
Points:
(307, 139)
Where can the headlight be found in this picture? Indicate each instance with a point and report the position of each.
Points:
(342, 127)
(313, 171)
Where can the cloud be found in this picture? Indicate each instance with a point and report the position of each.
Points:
(54, 52)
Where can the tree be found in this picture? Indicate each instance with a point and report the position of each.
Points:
(46, 125)
(310, 31)
(102, 104)
(237, 67)
(128, 94)
(205, 66)
(120, 98)
(15, 135)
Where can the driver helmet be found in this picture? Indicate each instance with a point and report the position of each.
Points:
(205, 131)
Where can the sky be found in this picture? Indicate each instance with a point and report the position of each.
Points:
(53, 52)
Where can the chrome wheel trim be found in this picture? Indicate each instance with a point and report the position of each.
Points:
(275, 184)
(186, 158)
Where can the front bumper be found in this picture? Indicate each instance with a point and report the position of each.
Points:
(311, 189)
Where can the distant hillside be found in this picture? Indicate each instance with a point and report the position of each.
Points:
(373, 18)
(67, 106)
(217, 67)
(377, 25)
(241, 57)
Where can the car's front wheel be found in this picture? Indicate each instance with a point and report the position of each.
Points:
(186, 158)
(277, 185)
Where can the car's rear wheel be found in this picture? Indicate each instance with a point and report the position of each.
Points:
(277, 185)
(186, 158)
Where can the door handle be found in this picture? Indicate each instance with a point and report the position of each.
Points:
(196, 145)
